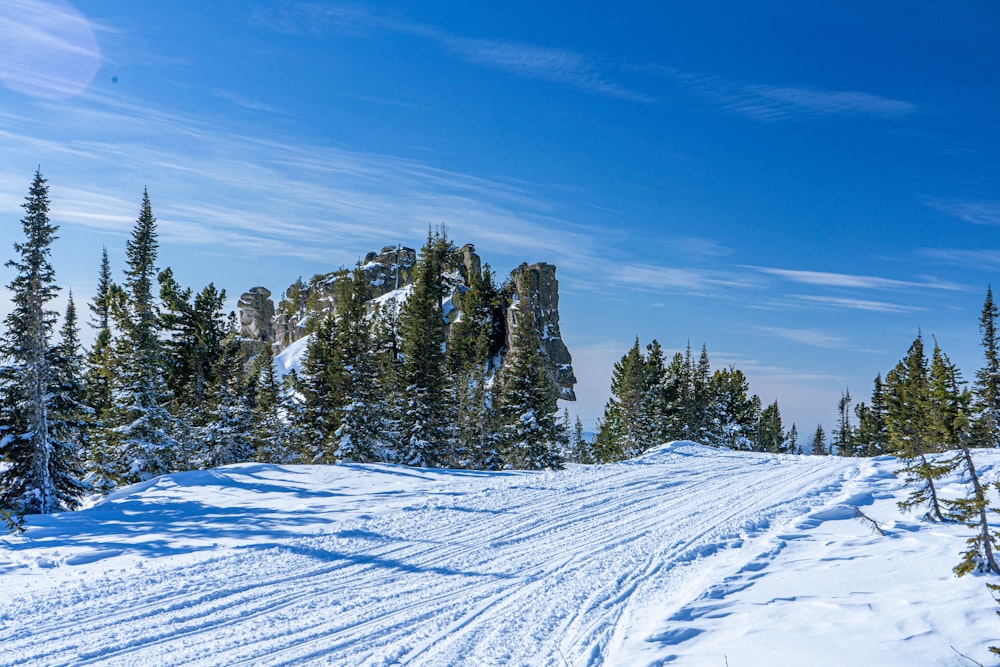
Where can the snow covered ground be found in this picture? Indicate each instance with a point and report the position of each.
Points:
(687, 556)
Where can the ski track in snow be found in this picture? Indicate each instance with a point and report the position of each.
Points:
(554, 568)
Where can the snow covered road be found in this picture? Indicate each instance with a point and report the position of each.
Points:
(381, 565)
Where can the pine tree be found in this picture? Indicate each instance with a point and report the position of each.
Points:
(360, 423)
(227, 435)
(793, 440)
(986, 427)
(844, 437)
(99, 363)
(424, 375)
(470, 357)
(911, 430)
(268, 443)
(39, 438)
(819, 442)
(530, 432)
(872, 436)
(195, 328)
(622, 429)
(770, 432)
(951, 422)
(320, 384)
(733, 412)
(654, 409)
(143, 437)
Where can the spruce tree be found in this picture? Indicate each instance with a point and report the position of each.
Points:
(986, 427)
(819, 442)
(357, 436)
(911, 431)
(267, 435)
(530, 431)
(793, 440)
(844, 437)
(872, 435)
(622, 429)
(733, 412)
(425, 380)
(40, 438)
(143, 437)
(195, 327)
(227, 434)
(951, 417)
(770, 432)
(99, 361)
(320, 385)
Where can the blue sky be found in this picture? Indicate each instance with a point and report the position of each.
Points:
(800, 186)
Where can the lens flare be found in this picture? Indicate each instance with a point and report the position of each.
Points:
(47, 48)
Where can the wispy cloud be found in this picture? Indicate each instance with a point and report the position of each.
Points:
(858, 304)
(320, 203)
(847, 280)
(981, 259)
(770, 102)
(773, 102)
(529, 61)
(685, 280)
(976, 212)
(812, 337)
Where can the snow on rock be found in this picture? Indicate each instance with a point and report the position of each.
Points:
(291, 358)
(688, 556)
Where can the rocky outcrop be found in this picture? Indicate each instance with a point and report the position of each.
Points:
(538, 291)
(392, 269)
(257, 314)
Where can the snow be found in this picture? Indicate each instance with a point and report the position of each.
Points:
(291, 358)
(685, 556)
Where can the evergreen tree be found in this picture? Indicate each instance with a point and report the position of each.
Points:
(819, 442)
(770, 432)
(40, 438)
(911, 430)
(195, 329)
(654, 410)
(951, 416)
(844, 438)
(793, 440)
(227, 435)
(360, 426)
(321, 385)
(622, 429)
(530, 432)
(143, 437)
(388, 380)
(99, 360)
(734, 413)
(580, 448)
(872, 436)
(986, 427)
(470, 361)
(268, 443)
(424, 375)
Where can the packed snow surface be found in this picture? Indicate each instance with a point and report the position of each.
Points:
(686, 556)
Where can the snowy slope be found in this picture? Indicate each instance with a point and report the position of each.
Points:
(687, 556)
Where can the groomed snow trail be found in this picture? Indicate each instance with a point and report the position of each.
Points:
(406, 567)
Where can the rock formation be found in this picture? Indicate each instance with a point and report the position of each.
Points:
(392, 269)
(537, 282)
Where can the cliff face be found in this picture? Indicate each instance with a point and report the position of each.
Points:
(538, 282)
(391, 270)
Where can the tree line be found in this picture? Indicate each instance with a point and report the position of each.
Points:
(170, 385)
(653, 401)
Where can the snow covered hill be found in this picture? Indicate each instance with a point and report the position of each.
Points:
(687, 556)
